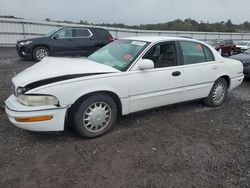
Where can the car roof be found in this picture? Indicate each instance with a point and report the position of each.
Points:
(156, 39)
(153, 39)
(82, 27)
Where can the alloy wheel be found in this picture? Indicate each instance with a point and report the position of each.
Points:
(41, 53)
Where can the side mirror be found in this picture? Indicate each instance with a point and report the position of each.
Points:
(145, 64)
(55, 37)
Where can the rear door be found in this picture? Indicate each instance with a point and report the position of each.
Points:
(84, 41)
(200, 70)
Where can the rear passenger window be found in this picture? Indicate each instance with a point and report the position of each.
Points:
(209, 54)
(81, 33)
(192, 52)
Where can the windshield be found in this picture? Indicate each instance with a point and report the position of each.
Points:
(51, 32)
(247, 51)
(214, 42)
(242, 43)
(119, 54)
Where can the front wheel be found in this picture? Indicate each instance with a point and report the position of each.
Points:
(39, 53)
(95, 115)
(217, 94)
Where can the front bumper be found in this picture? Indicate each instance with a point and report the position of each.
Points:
(16, 110)
(23, 51)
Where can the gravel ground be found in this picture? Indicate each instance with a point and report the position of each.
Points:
(183, 145)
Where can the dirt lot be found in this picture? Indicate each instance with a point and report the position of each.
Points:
(184, 145)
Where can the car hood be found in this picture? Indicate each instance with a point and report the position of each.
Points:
(33, 39)
(243, 57)
(52, 67)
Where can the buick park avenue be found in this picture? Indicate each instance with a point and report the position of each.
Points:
(125, 76)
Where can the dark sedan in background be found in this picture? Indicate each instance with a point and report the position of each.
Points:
(67, 41)
(245, 59)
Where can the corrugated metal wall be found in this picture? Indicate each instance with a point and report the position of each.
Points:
(12, 30)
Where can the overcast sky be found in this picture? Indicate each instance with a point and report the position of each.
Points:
(128, 11)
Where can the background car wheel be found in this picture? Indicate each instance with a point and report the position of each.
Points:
(95, 116)
(217, 94)
(231, 53)
(40, 52)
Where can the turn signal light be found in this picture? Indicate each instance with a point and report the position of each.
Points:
(34, 119)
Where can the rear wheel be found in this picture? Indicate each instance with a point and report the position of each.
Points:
(217, 94)
(95, 116)
(40, 52)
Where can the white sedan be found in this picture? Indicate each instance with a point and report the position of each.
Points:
(126, 76)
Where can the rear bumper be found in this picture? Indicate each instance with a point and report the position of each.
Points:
(236, 81)
(16, 110)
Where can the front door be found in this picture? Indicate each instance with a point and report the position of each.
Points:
(63, 43)
(159, 86)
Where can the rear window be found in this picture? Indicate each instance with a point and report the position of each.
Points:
(101, 33)
(192, 52)
(81, 33)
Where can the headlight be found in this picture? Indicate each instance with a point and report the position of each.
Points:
(37, 100)
(25, 42)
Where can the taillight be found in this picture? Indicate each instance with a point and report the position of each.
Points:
(111, 39)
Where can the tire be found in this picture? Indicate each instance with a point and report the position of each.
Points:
(217, 94)
(231, 52)
(39, 53)
(95, 116)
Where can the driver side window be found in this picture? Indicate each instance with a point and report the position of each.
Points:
(65, 33)
(163, 55)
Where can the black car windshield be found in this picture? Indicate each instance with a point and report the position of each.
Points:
(119, 54)
(51, 32)
(214, 42)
